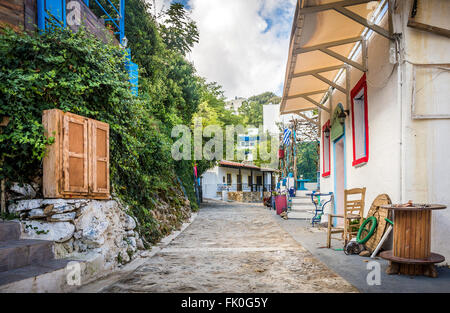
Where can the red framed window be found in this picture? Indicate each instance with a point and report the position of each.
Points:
(326, 146)
(360, 123)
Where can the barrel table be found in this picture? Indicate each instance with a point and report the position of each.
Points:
(411, 254)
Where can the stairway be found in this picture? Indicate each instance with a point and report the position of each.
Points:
(28, 265)
(302, 207)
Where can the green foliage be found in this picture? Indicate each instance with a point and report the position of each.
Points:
(78, 73)
(178, 31)
(168, 85)
(6, 216)
(307, 159)
(60, 69)
(252, 109)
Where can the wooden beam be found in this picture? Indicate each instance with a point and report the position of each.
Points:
(319, 70)
(295, 111)
(330, 6)
(359, 19)
(329, 44)
(429, 28)
(317, 104)
(329, 82)
(344, 59)
(301, 95)
(307, 118)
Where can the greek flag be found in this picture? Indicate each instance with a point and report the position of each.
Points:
(287, 137)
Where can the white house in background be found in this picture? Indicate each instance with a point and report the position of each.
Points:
(235, 104)
(248, 142)
(380, 79)
(234, 176)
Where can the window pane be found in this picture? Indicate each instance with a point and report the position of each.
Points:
(326, 154)
(360, 127)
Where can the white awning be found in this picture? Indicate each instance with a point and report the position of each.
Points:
(324, 34)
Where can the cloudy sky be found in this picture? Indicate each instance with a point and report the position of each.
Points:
(243, 43)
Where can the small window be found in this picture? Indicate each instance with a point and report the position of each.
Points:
(360, 124)
(326, 168)
(250, 181)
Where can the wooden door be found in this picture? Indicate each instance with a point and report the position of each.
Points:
(259, 180)
(99, 157)
(229, 181)
(75, 154)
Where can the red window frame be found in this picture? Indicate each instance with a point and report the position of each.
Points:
(362, 84)
(326, 174)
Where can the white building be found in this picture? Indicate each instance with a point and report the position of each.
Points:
(379, 74)
(233, 176)
(235, 104)
(248, 142)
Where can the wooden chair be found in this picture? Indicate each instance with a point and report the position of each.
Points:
(353, 211)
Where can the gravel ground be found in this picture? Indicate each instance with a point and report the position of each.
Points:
(233, 248)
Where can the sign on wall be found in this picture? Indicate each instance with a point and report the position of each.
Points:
(337, 123)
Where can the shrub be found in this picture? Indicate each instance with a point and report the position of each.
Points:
(75, 72)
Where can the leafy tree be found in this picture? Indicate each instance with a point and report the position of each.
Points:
(80, 74)
(252, 109)
(307, 159)
(168, 84)
(178, 30)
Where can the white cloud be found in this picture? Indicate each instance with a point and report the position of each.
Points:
(235, 51)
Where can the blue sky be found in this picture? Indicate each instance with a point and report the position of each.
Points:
(243, 43)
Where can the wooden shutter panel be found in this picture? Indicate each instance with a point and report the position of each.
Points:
(99, 157)
(75, 154)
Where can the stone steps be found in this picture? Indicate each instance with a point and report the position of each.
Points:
(19, 253)
(49, 276)
(29, 265)
(303, 193)
(9, 231)
(301, 201)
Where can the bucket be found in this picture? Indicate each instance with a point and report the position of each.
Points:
(280, 204)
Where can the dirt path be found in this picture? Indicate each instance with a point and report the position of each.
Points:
(233, 247)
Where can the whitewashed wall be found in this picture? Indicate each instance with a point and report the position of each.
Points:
(214, 177)
(426, 153)
(381, 173)
(408, 158)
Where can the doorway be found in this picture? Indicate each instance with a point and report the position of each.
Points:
(339, 178)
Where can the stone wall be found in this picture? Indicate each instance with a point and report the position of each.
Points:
(81, 227)
(247, 197)
(100, 234)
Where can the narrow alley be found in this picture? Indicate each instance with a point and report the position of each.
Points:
(234, 248)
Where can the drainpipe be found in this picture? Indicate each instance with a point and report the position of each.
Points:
(400, 70)
(3, 197)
